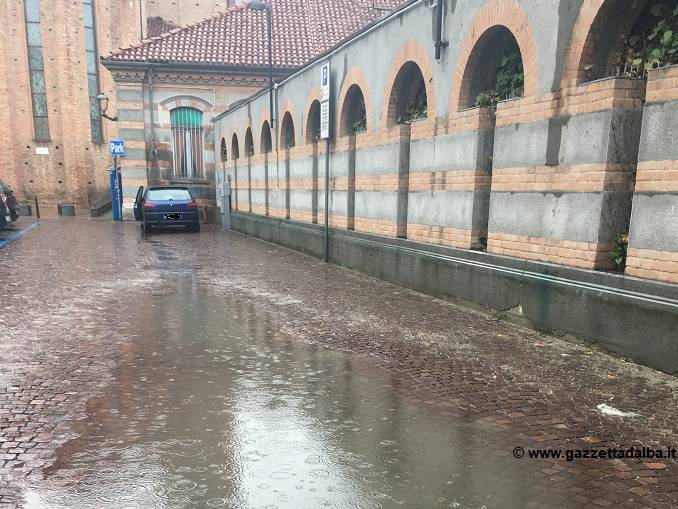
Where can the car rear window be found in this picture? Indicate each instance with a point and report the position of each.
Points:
(168, 194)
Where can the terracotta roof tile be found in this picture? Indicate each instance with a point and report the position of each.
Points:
(302, 30)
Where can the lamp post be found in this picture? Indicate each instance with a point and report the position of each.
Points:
(260, 5)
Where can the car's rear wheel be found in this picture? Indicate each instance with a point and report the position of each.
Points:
(147, 227)
(195, 227)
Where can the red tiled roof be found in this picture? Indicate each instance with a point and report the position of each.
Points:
(157, 26)
(302, 30)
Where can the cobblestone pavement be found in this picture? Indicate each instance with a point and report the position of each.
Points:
(73, 286)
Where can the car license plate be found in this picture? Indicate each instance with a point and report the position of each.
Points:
(173, 217)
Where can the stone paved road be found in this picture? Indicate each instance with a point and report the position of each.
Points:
(87, 296)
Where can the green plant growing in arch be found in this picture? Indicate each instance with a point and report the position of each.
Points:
(653, 42)
(417, 109)
(360, 119)
(509, 82)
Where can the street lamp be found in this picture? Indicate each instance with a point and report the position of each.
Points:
(103, 107)
(260, 5)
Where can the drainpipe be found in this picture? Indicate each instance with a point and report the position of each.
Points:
(440, 42)
(152, 102)
(274, 122)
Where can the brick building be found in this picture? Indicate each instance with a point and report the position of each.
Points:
(169, 87)
(501, 162)
(54, 143)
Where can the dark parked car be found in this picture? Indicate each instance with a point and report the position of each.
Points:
(9, 208)
(166, 207)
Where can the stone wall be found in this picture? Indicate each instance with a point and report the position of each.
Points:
(549, 176)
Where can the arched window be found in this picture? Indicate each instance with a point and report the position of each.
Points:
(353, 119)
(313, 123)
(249, 143)
(223, 151)
(187, 144)
(287, 132)
(235, 149)
(494, 71)
(266, 143)
(408, 101)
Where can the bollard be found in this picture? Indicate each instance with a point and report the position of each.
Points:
(37, 208)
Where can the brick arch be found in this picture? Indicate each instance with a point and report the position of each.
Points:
(314, 95)
(583, 39)
(185, 101)
(287, 107)
(412, 51)
(355, 76)
(507, 14)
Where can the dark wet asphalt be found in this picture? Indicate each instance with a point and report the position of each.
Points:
(213, 370)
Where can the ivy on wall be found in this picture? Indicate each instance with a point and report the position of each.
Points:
(618, 253)
(417, 109)
(652, 44)
(360, 122)
(510, 80)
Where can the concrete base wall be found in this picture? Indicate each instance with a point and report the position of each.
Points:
(627, 316)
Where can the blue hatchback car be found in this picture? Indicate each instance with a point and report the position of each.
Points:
(166, 206)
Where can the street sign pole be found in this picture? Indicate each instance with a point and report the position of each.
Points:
(117, 151)
(325, 117)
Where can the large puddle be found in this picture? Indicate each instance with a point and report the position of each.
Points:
(213, 406)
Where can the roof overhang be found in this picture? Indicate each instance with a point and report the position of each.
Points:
(259, 70)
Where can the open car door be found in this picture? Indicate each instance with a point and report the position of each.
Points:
(138, 204)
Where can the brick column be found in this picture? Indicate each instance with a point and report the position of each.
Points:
(267, 184)
(300, 188)
(382, 165)
(249, 183)
(258, 184)
(563, 173)
(653, 240)
(449, 181)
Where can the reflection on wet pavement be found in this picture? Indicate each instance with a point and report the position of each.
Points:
(212, 406)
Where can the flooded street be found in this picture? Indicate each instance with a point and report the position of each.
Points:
(214, 370)
(232, 413)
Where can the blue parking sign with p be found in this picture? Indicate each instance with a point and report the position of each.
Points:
(118, 148)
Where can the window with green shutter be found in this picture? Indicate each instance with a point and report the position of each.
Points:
(187, 142)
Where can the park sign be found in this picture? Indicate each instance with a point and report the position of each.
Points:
(117, 148)
(325, 94)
